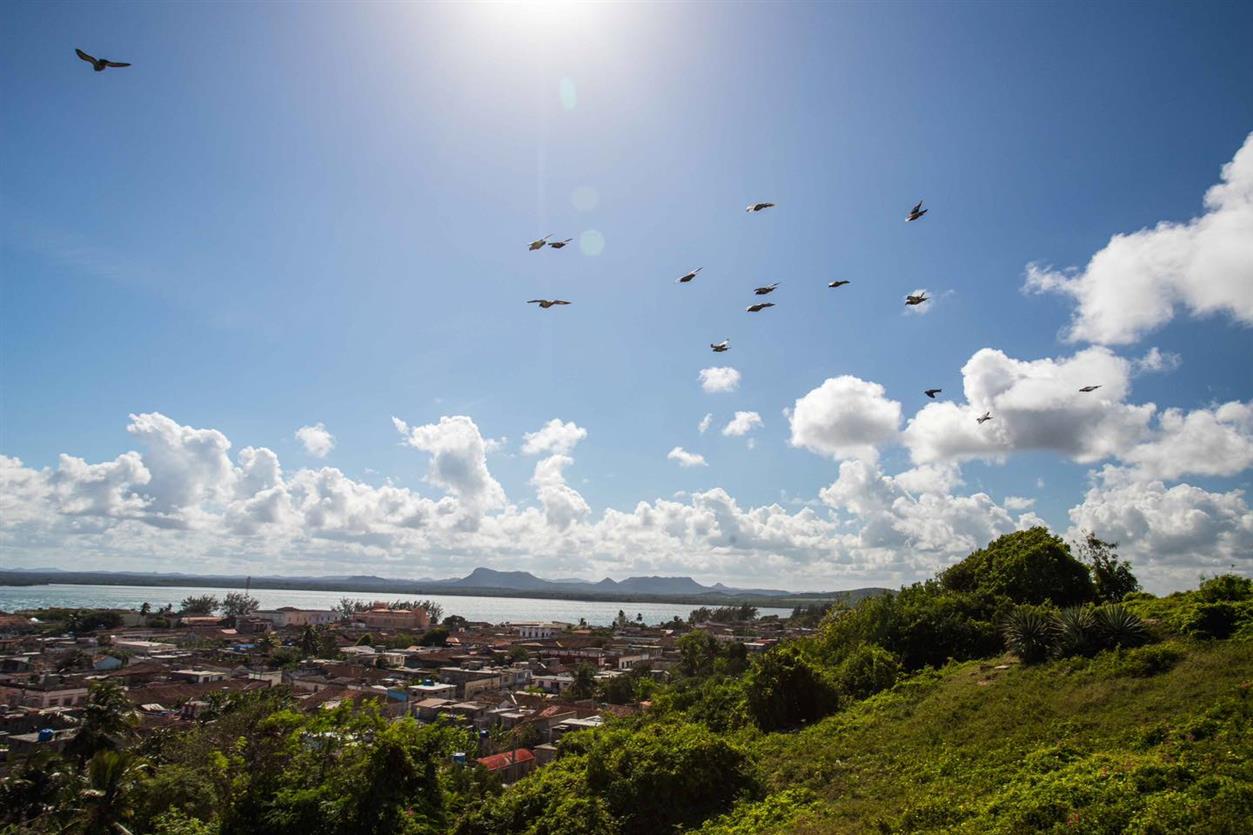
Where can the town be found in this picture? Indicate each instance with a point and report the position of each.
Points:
(519, 686)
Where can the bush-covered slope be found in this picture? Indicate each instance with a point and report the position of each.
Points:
(1154, 739)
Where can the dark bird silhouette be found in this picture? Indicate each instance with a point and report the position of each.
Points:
(985, 417)
(534, 245)
(932, 393)
(720, 347)
(559, 244)
(839, 283)
(99, 64)
(757, 207)
(1087, 389)
(754, 308)
(918, 299)
(761, 291)
(547, 303)
(915, 213)
(684, 279)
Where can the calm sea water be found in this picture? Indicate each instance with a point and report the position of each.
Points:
(491, 609)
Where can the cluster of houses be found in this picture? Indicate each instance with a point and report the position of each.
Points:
(494, 678)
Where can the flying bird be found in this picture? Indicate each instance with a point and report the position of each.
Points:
(757, 207)
(534, 245)
(839, 283)
(99, 64)
(1087, 389)
(754, 308)
(684, 279)
(761, 291)
(547, 303)
(915, 213)
(918, 299)
(932, 393)
(559, 244)
(985, 417)
(720, 347)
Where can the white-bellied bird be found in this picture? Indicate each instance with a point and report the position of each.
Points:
(757, 207)
(720, 347)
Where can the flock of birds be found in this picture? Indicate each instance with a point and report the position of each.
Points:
(912, 300)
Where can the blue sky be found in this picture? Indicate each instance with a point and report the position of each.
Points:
(282, 216)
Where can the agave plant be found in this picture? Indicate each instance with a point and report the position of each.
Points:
(1076, 631)
(1030, 634)
(1118, 627)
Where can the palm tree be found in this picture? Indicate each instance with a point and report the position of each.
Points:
(108, 721)
(103, 803)
(584, 682)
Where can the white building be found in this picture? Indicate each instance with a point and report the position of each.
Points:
(538, 629)
(291, 616)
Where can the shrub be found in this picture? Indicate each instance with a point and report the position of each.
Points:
(867, 670)
(1225, 587)
(1076, 631)
(1210, 620)
(1145, 661)
(1030, 634)
(1118, 627)
(785, 689)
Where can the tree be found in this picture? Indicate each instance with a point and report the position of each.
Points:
(108, 721)
(434, 611)
(437, 637)
(347, 607)
(618, 690)
(785, 689)
(204, 604)
(584, 686)
(1111, 576)
(145, 608)
(238, 605)
(697, 651)
(104, 803)
(1030, 566)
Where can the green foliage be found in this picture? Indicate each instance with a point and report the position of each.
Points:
(785, 689)
(237, 604)
(922, 625)
(584, 686)
(202, 604)
(1030, 566)
(1225, 587)
(108, 721)
(1142, 662)
(1030, 633)
(722, 614)
(717, 703)
(867, 670)
(773, 813)
(1117, 626)
(1112, 578)
(1076, 631)
(437, 637)
(697, 651)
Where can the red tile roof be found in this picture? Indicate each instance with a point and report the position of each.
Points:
(498, 761)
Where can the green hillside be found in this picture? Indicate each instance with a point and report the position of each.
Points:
(1113, 744)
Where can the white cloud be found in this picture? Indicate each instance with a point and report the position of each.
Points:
(1216, 442)
(316, 440)
(1137, 282)
(685, 458)
(704, 423)
(1171, 534)
(719, 379)
(1018, 503)
(1035, 405)
(845, 417)
(563, 505)
(554, 437)
(1156, 361)
(742, 424)
(458, 461)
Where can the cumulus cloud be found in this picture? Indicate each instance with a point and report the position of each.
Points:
(554, 437)
(458, 461)
(742, 424)
(1156, 361)
(563, 505)
(1035, 405)
(705, 423)
(1174, 532)
(845, 417)
(719, 379)
(685, 458)
(316, 440)
(1138, 281)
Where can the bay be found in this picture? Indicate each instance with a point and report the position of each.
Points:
(490, 609)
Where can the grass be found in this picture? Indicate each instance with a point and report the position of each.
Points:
(1150, 740)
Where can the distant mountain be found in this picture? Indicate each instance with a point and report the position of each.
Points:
(489, 578)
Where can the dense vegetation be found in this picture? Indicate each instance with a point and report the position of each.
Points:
(1112, 711)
